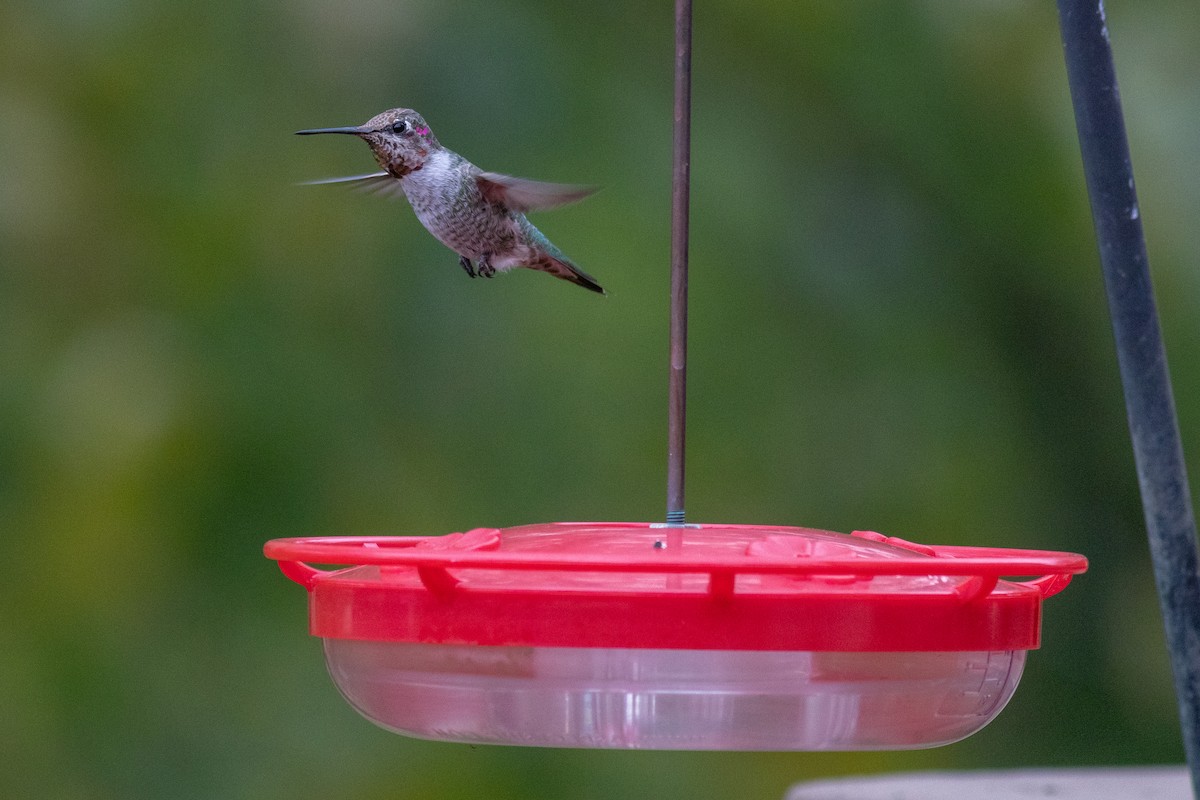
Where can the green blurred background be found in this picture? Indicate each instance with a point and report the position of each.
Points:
(897, 319)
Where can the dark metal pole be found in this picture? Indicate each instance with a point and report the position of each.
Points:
(681, 178)
(1162, 476)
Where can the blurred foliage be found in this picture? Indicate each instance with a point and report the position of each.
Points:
(897, 324)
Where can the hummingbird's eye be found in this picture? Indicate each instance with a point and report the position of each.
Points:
(400, 126)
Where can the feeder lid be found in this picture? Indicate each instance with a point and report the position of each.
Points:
(638, 585)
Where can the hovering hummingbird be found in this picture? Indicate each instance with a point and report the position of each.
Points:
(479, 215)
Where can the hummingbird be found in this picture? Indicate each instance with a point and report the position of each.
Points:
(479, 215)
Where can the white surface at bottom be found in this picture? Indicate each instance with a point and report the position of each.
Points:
(1105, 783)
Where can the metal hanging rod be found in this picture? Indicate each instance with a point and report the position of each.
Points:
(681, 180)
(1149, 403)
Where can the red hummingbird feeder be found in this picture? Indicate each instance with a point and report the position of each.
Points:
(674, 635)
(696, 637)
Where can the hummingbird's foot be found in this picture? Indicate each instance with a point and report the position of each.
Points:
(465, 263)
(485, 265)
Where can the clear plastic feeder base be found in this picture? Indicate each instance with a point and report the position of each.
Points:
(674, 699)
(706, 637)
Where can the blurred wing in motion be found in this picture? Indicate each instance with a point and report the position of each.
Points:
(524, 195)
(380, 184)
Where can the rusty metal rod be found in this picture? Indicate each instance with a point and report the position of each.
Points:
(680, 182)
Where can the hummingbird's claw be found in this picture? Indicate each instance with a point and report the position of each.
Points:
(485, 266)
(465, 263)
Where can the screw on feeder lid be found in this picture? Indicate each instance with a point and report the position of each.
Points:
(733, 587)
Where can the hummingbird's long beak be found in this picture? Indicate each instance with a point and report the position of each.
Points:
(353, 130)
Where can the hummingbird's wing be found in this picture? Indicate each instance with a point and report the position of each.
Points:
(376, 183)
(523, 195)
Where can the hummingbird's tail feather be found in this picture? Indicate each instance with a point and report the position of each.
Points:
(544, 256)
(561, 268)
